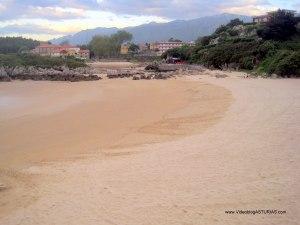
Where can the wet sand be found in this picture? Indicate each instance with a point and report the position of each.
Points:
(46, 122)
(43, 121)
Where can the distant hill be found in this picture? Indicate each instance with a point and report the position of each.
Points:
(186, 30)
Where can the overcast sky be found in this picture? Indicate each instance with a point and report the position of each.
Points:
(46, 19)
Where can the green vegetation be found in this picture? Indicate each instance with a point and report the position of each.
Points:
(16, 45)
(281, 26)
(109, 46)
(15, 60)
(183, 53)
(283, 63)
(271, 48)
(133, 48)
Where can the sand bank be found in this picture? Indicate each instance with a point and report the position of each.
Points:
(246, 159)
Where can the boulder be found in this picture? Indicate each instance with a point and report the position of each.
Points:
(146, 77)
(221, 76)
(152, 67)
(5, 79)
(135, 78)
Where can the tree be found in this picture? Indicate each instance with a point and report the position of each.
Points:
(174, 40)
(109, 46)
(101, 46)
(183, 53)
(14, 44)
(133, 48)
(235, 22)
(281, 26)
(121, 37)
(203, 41)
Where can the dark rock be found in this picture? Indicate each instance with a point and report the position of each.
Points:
(5, 79)
(152, 67)
(146, 77)
(161, 68)
(221, 76)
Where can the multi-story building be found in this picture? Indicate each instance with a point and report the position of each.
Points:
(161, 47)
(261, 19)
(125, 49)
(61, 50)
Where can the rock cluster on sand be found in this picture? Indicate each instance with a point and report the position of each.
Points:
(137, 74)
(155, 71)
(51, 74)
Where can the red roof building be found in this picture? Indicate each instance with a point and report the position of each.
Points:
(61, 50)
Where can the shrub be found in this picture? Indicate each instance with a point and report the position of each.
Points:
(13, 60)
(233, 33)
(227, 52)
(247, 63)
(267, 48)
(221, 29)
(183, 53)
(283, 63)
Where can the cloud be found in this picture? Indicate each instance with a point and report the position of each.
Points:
(45, 9)
(29, 29)
(187, 9)
(172, 9)
(77, 4)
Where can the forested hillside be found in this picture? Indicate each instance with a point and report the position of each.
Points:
(16, 44)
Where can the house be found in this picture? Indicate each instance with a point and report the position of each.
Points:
(261, 19)
(125, 49)
(143, 47)
(84, 53)
(161, 47)
(266, 18)
(46, 49)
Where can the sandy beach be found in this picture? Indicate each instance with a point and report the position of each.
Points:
(123, 152)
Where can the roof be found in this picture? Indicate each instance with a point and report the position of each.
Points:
(84, 51)
(48, 46)
(56, 46)
(68, 46)
(168, 42)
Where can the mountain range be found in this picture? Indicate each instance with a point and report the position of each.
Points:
(185, 30)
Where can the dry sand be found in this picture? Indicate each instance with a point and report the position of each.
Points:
(182, 153)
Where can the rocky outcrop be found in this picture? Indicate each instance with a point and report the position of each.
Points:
(161, 67)
(5, 79)
(3, 75)
(156, 71)
(113, 74)
(51, 74)
(135, 78)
